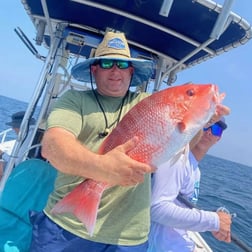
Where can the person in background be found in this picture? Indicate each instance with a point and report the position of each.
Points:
(76, 127)
(15, 124)
(170, 218)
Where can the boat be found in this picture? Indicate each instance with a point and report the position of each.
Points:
(6, 145)
(175, 34)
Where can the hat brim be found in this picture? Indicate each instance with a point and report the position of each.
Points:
(13, 124)
(9, 123)
(143, 69)
(17, 124)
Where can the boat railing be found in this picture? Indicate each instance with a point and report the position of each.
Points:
(3, 134)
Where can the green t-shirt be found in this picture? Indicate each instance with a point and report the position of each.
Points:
(123, 215)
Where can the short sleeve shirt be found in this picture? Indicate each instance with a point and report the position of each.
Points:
(123, 214)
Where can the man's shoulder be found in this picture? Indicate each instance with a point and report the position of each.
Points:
(74, 92)
(76, 96)
(138, 95)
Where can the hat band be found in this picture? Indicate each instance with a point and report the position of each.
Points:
(112, 54)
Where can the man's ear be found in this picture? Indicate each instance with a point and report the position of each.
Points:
(132, 70)
(92, 69)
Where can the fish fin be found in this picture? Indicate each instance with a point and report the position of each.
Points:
(184, 151)
(175, 158)
(83, 202)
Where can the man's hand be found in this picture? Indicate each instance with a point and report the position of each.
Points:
(224, 233)
(123, 170)
(221, 110)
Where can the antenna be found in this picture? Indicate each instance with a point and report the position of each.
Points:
(28, 43)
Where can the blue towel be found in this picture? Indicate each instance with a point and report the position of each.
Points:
(26, 189)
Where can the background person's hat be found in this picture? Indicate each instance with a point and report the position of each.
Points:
(17, 120)
(115, 46)
(222, 123)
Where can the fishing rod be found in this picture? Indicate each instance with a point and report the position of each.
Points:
(234, 238)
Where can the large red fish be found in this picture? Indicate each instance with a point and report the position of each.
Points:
(164, 123)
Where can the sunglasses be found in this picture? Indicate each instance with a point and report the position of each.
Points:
(216, 130)
(109, 63)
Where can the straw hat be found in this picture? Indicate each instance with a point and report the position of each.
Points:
(115, 46)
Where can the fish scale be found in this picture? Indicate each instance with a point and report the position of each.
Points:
(164, 123)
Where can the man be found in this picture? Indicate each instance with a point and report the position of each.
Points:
(76, 127)
(15, 124)
(170, 218)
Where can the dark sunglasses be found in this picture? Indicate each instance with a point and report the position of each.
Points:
(109, 63)
(216, 130)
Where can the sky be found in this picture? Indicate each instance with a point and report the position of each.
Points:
(231, 71)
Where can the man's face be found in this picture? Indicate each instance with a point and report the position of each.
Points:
(208, 139)
(16, 130)
(112, 82)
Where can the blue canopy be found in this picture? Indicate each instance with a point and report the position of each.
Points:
(177, 34)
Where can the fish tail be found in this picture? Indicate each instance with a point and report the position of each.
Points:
(83, 202)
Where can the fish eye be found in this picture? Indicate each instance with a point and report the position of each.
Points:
(190, 92)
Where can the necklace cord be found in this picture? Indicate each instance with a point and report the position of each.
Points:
(107, 127)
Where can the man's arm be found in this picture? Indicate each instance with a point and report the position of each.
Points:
(168, 181)
(61, 148)
(4, 156)
(169, 214)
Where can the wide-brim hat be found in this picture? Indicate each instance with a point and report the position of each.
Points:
(115, 46)
(17, 119)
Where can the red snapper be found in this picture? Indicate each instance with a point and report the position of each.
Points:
(164, 123)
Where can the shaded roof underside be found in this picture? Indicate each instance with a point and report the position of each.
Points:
(188, 25)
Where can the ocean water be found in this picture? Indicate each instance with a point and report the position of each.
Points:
(223, 183)
(226, 183)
